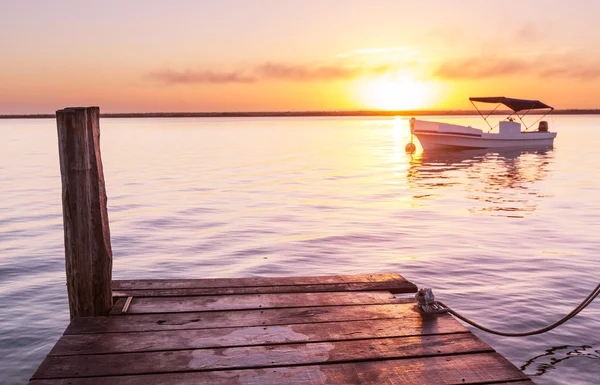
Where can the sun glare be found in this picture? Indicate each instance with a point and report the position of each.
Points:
(395, 93)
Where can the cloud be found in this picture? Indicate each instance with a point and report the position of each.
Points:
(583, 72)
(562, 65)
(480, 67)
(311, 73)
(268, 71)
(205, 77)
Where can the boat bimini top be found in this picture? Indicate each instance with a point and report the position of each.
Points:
(516, 106)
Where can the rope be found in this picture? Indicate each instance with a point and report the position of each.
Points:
(424, 298)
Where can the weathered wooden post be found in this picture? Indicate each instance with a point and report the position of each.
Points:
(88, 254)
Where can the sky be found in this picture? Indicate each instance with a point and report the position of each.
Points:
(280, 55)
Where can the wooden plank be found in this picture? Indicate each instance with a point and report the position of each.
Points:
(257, 335)
(143, 284)
(126, 305)
(441, 370)
(392, 287)
(405, 309)
(258, 356)
(149, 305)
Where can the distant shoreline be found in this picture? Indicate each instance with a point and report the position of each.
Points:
(295, 114)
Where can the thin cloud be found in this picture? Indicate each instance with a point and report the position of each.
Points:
(304, 73)
(204, 77)
(276, 71)
(564, 66)
(583, 72)
(477, 68)
(267, 72)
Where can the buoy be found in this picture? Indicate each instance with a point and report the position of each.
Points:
(410, 147)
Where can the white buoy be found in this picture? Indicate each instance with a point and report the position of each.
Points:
(410, 147)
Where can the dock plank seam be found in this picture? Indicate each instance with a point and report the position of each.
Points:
(225, 327)
(119, 313)
(287, 365)
(264, 344)
(117, 308)
(198, 326)
(191, 292)
(263, 281)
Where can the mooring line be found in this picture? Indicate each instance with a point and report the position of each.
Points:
(428, 304)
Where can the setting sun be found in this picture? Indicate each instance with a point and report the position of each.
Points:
(401, 92)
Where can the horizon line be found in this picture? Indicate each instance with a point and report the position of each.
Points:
(300, 113)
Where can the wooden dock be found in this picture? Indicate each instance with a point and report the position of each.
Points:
(254, 331)
(292, 330)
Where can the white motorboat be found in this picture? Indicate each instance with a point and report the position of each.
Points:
(438, 135)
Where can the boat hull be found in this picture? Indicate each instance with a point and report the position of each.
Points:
(434, 135)
(444, 141)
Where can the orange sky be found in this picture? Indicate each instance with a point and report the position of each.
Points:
(270, 55)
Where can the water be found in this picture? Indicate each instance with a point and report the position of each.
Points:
(509, 239)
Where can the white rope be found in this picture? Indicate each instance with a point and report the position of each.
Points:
(428, 304)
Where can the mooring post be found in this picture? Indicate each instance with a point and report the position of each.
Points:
(88, 254)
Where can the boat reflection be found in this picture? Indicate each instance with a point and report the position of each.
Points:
(499, 182)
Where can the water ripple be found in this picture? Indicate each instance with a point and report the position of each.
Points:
(509, 238)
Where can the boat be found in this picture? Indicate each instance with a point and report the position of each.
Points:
(438, 135)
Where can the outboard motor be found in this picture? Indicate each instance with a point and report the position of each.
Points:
(543, 126)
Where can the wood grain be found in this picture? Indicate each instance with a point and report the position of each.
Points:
(148, 305)
(256, 335)
(223, 319)
(441, 370)
(326, 330)
(394, 287)
(88, 254)
(258, 356)
(142, 284)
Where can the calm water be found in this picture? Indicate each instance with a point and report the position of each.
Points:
(510, 239)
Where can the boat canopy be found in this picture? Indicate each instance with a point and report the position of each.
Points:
(514, 104)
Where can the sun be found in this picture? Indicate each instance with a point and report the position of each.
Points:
(400, 92)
